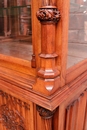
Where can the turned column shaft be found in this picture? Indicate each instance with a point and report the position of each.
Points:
(48, 124)
(48, 39)
(46, 116)
(49, 17)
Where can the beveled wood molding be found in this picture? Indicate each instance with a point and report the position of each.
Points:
(47, 102)
(75, 71)
(17, 64)
(16, 78)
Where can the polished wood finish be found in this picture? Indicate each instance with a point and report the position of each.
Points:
(17, 48)
(42, 93)
(13, 112)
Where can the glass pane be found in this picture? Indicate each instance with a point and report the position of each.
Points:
(15, 28)
(77, 44)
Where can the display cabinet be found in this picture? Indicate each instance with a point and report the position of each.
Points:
(43, 80)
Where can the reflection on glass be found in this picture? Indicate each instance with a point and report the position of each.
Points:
(15, 28)
(77, 44)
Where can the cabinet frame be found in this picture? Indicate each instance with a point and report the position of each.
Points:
(62, 84)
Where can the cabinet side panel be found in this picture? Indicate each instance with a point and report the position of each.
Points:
(15, 113)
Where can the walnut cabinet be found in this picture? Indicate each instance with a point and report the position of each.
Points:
(43, 65)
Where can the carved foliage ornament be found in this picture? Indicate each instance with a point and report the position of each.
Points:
(46, 14)
(12, 120)
(10, 115)
(44, 113)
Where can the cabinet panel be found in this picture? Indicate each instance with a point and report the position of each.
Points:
(73, 114)
(15, 114)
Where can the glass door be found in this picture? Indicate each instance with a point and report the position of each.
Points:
(77, 43)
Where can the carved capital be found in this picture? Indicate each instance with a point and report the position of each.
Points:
(44, 113)
(48, 14)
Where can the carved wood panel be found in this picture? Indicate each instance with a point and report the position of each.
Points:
(45, 119)
(68, 116)
(15, 114)
(76, 114)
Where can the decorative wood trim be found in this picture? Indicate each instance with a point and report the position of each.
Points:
(75, 71)
(10, 115)
(44, 113)
(75, 111)
(17, 78)
(36, 31)
(9, 118)
(47, 72)
(14, 100)
(48, 102)
(16, 64)
(62, 38)
(33, 61)
(48, 14)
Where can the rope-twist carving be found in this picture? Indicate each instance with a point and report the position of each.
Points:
(48, 15)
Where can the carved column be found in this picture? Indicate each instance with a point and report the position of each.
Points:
(49, 17)
(48, 73)
(46, 116)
